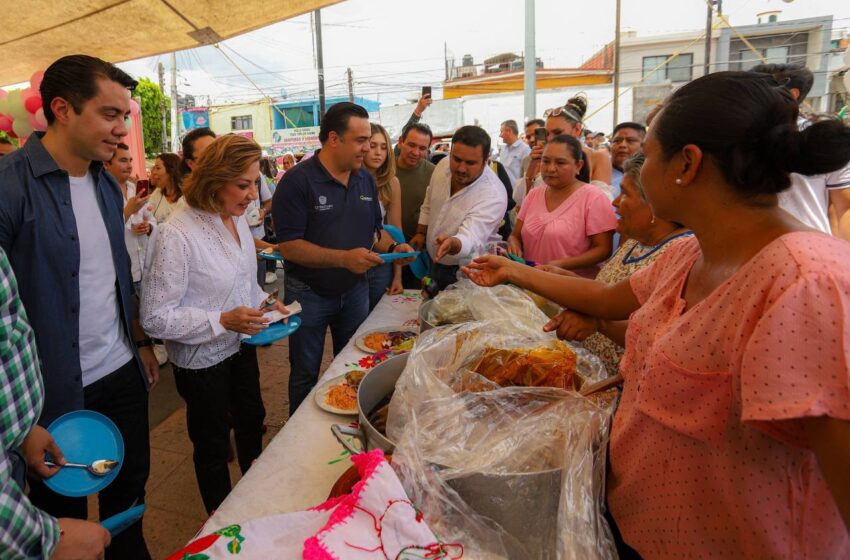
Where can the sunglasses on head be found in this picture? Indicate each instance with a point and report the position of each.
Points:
(561, 111)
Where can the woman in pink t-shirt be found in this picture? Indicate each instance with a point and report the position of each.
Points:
(566, 223)
(732, 438)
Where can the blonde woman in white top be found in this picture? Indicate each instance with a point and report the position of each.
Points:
(200, 295)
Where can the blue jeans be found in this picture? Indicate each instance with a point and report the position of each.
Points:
(379, 278)
(343, 314)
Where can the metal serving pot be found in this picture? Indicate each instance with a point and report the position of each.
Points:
(513, 500)
(424, 312)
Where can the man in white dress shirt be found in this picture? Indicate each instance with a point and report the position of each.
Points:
(464, 205)
(514, 150)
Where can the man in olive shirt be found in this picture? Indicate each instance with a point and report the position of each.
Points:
(414, 173)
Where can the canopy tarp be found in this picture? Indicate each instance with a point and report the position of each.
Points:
(37, 32)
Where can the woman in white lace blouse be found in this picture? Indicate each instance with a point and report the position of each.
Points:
(201, 296)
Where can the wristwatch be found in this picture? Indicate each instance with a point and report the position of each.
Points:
(144, 342)
(392, 247)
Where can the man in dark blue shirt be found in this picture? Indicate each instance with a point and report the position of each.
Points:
(329, 229)
(62, 226)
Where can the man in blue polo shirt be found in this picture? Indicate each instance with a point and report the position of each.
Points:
(329, 230)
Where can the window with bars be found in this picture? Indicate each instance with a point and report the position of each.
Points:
(243, 122)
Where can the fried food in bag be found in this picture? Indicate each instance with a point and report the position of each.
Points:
(552, 365)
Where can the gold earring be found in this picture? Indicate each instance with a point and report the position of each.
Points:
(678, 181)
(652, 221)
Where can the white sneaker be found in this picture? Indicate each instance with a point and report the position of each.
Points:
(271, 277)
(160, 353)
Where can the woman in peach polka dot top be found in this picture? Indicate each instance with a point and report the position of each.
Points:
(732, 438)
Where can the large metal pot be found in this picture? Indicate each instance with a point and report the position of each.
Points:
(374, 387)
(513, 500)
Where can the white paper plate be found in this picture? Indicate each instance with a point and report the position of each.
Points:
(359, 343)
(322, 392)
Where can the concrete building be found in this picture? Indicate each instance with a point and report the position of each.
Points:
(252, 120)
(650, 69)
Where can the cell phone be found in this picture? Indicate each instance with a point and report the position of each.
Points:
(426, 90)
(142, 187)
(540, 135)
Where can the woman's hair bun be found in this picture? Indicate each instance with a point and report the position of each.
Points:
(780, 146)
(578, 103)
(824, 146)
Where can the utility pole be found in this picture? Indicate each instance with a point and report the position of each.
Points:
(175, 135)
(320, 62)
(350, 85)
(530, 64)
(616, 67)
(446, 59)
(161, 69)
(708, 16)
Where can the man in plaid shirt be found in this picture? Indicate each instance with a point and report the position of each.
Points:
(26, 531)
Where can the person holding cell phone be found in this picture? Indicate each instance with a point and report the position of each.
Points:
(138, 214)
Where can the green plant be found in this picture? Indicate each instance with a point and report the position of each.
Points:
(151, 96)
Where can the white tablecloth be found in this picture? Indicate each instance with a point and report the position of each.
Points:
(300, 465)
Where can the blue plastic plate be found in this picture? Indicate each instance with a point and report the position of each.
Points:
(395, 233)
(84, 436)
(120, 521)
(274, 256)
(390, 257)
(274, 332)
(421, 266)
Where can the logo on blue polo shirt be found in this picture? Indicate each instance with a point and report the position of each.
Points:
(365, 198)
(323, 204)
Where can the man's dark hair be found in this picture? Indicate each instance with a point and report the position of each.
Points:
(4, 140)
(630, 125)
(511, 124)
(337, 117)
(189, 146)
(74, 78)
(794, 76)
(418, 127)
(471, 135)
(538, 123)
(119, 146)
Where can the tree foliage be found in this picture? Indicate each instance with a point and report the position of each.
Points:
(151, 97)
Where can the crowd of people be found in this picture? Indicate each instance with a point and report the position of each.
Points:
(702, 256)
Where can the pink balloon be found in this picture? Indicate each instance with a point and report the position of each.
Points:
(41, 119)
(5, 122)
(35, 80)
(134, 107)
(33, 103)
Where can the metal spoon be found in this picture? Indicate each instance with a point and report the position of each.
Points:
(101, 467)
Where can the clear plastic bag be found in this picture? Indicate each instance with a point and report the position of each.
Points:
(507, 471)
(465, 301)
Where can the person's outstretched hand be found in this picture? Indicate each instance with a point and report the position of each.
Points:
(490, 270)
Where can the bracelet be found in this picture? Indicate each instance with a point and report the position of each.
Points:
(392, 247)
(144, 342)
